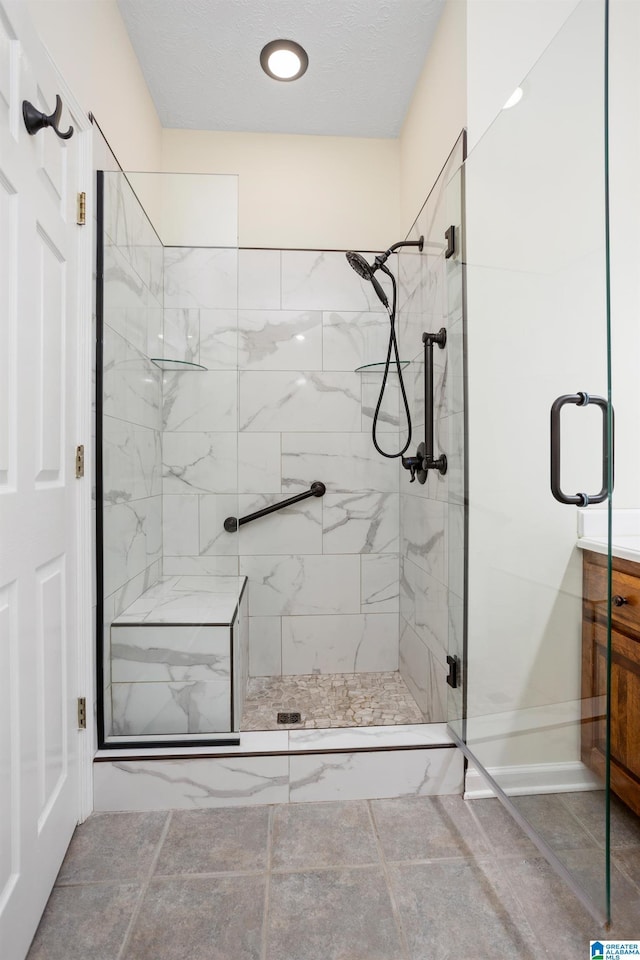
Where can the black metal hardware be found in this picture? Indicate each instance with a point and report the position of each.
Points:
(317, 489)
(415, 465)
(35, 119)
(580, 400)
(450, 237)
(429, 462)
(452, 679)
(619, 601)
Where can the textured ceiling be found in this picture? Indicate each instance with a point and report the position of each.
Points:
(201, 61)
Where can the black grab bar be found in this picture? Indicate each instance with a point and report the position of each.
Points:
(424, 459)
(317, 489)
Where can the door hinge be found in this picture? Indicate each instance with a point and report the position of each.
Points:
(82, 713)
(82, 209)
(80, 461)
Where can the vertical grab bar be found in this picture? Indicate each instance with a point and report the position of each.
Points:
(429, 462)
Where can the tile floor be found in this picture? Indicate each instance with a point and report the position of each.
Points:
(406, 879)
(330, 700)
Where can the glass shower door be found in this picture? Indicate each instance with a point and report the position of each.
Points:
(533, 700)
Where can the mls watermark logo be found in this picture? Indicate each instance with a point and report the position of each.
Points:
(614, 949)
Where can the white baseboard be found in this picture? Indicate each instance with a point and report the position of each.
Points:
(533, 778)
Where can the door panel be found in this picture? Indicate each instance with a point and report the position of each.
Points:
(40, 498)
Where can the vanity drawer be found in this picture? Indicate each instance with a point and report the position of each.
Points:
(624, 584)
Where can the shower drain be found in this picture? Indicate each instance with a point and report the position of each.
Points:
(293, 717)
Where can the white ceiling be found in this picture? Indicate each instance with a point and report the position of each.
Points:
(200, 59)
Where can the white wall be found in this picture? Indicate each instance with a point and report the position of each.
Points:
(300, 191)
(504, 40)
(437, 113)
(88, 43)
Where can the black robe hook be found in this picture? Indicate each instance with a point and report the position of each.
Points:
(35, 120)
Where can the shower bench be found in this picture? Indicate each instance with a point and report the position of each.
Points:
(179, 658)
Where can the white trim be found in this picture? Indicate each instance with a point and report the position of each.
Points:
(532, 778)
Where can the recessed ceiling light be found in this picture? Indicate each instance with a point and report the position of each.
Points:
(284, 60)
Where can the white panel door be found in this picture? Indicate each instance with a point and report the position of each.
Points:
(40, 293)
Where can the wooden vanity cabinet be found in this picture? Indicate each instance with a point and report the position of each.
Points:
(625, 673)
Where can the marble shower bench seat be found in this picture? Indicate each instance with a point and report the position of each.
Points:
(179, 658)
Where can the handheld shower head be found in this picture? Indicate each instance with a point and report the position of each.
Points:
(360, 265)
(365, 270)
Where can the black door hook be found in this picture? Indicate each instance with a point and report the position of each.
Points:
(35, 119)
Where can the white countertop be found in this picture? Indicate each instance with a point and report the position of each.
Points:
(188, 600)
(622, 547)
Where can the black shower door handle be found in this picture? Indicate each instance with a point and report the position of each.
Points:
(580, 400)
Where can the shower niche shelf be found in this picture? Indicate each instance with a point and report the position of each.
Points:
(379, 367)
(165, 363)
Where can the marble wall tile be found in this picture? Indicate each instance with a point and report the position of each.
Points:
(265, 647)
(360, 523)
(424, 674)
(259, 279)
(423, 525)
(131, 385)
(279, 340)
(456, 565)
(350, 339)
(190, 784)
(259, 463)
(391, 416)
(359, 776)
(295, 529)
(132, 541)
(300, 585)
(141, 709)
(199, 401)
(148, 653)
(317, 280)
(200, 277)
(360, 643)
(455, 379)
(302, 400)
(219, 339)
(379, 583)
(131, 459)
(240, 659)
(133, 588)
(126, 298)
(181, 334)
(200, 566)
(180, 525)
(424, 604)
(199, 463)
(345, 462)
(155, 335)
(214, 539)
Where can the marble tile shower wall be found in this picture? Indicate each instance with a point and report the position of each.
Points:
(279, 407)
(132, 413)
(432, 515)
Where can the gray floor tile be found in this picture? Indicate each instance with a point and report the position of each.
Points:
(212, 841)
(308, 835)
(549, 816)
(199, 918)
(422, 828)
(589, 807)
(629, 862)
(112, 846)
(559, 920)
(85, 921)
(460, 909)
(331, 915)
(503, 833)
